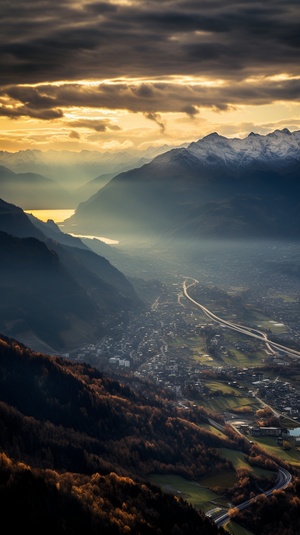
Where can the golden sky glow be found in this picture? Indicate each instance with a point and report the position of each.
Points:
(123, 74)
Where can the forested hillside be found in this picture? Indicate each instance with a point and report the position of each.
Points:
(77, 450)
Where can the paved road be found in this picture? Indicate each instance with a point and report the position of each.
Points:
(284, 477)
(283, 480)
(253, 333)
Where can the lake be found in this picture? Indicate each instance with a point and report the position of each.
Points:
(295, 432)
(59, 216)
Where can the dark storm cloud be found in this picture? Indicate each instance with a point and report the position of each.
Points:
(98, 126)
(156, 118)
(191, 111)
(74, 135)
(42, 42)
(29, 102)
(145, 98)
(27, 111)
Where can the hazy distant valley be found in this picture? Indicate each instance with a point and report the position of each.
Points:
(34, 179)
(218, 219)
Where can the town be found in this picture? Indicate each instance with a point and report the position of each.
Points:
(174, 346)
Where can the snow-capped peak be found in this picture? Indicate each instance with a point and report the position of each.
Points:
(278, 145)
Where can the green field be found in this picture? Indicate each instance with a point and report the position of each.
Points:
(238, 460)
(236, 457)
(191, 491)
(249, 316)
(235, 529)
(269, 444)
(213, 430)
(205, 359)
(199, 495)
(221, 403)
(284, 297)
(224, 397)
(244, 359)
(275, 328)
(223, 479)
(224, 387)
(231, 356)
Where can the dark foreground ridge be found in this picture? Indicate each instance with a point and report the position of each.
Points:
(76, 447)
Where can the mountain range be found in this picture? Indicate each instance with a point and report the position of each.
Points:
(57, 293)
(214, 188)
(73, 169)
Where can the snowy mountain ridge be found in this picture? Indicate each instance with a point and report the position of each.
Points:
(280, 145)
(216, 187)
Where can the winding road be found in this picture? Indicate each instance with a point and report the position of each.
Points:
(283, 480)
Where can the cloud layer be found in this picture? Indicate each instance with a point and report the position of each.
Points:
(146, 56)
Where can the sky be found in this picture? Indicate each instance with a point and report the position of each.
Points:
(128, 74)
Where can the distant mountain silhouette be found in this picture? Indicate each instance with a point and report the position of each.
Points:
(33, 191)
(92, 186)
(56, 294)
(217, 187)
(72, 169)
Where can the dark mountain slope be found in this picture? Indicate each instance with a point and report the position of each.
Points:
(14, 221)
(52, 293)
(89, 266)
(50, 230)
(87, 443)
(111, 422)
(216, 187)
(241, 217)
(40, 299)
(72, 504)
(108, 287)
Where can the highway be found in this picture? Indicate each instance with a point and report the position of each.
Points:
(284, 477)
(283, 480)
(253, 333)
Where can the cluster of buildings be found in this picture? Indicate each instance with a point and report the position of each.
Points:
(281, 395)
(150, 348)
